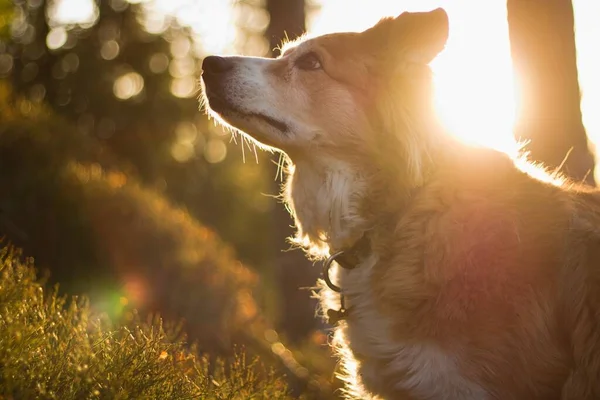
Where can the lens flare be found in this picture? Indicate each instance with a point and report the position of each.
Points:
(473, 78)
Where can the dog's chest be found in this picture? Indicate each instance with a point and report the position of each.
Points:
(388, 367)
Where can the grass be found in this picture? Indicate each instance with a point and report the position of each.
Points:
(55, 347)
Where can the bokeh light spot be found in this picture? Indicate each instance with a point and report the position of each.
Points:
(158, 63)
(271, 335)
(56, 38)
(182, 67)
(154, 23)
(6, 63)
(109, 50)
(128, 85)
(186, 132)
(70, 12)
(180, 47)
(215, 151)
(33, 4)
(278, 348)
(119, 5)
(184, 87)
(182, 151)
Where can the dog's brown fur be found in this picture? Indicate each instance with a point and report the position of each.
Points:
(495, 270)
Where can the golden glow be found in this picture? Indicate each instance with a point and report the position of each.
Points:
(71, 12)
(215, 151)
(128, 85)
(187, 86)
(56, 38)
(473, 75)
(587, 32)
(135, 289)
(475, 94)
(158, 63)
(212, 23)
(187, 143)
(109, 50)
(180, 47)
(182, 67)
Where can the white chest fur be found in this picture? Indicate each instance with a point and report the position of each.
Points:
(387, 366)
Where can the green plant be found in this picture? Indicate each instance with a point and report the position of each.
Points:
(54, 347)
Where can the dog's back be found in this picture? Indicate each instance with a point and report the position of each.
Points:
(500, 272)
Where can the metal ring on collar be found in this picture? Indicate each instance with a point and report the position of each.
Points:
(326, 267)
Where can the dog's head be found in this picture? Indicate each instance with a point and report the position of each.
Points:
(360, 100)
(330, 92)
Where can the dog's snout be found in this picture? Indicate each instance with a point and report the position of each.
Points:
(216, 65)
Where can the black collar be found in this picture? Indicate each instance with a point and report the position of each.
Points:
(347, 259)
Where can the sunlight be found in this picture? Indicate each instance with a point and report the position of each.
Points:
(473, 76)
(587, 32)
(475, 91)
(71, 12)
(211, 22)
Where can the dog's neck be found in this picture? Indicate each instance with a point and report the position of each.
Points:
(325, 198)
(334, 203)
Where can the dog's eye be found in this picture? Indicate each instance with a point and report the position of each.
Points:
(308, 62)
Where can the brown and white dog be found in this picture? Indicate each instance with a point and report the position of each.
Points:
(479, 281)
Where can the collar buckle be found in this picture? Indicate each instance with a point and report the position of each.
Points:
(347, 260)
(326, 267)
(334, 316)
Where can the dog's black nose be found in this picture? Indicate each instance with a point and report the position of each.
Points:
(216, 65)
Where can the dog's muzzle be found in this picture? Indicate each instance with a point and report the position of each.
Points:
(214, 72)
(215, 67)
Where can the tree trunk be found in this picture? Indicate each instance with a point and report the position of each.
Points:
(294, 271)
(542, 41)
(288, 20)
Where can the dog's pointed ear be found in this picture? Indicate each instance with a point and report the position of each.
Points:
(420, 36)
(423, 33)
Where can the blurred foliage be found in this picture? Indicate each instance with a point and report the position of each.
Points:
(54, 347)
(100, 232)
(127, 78)
(136, 92)
(6, 9)
(96, 229)
(107, 165)
(157, 133)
